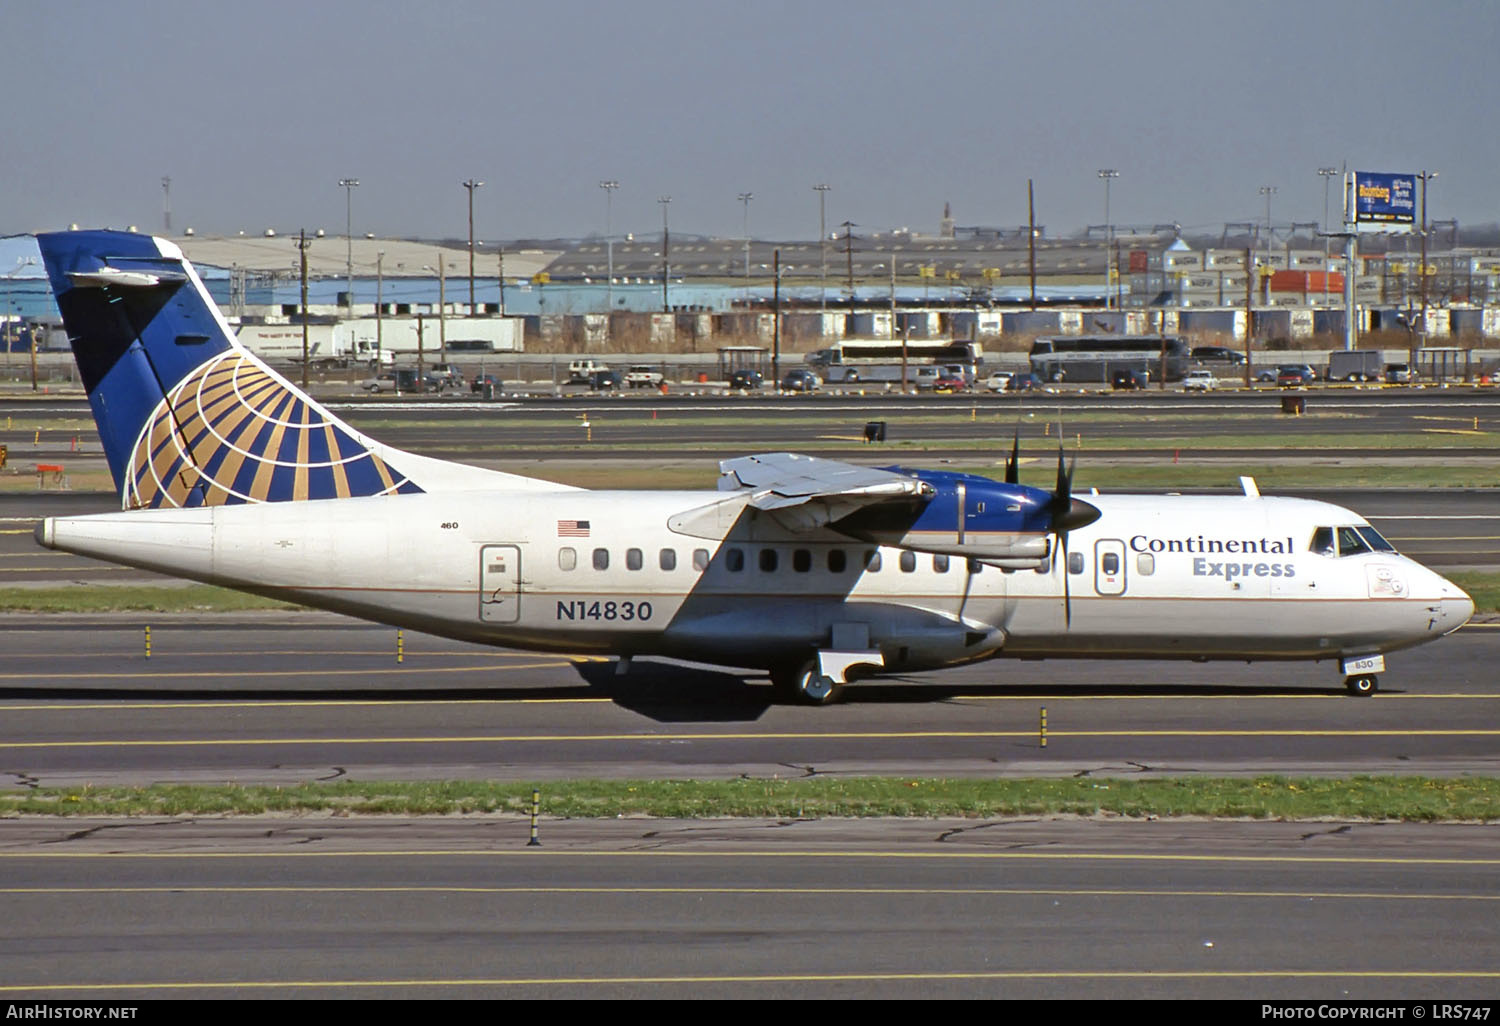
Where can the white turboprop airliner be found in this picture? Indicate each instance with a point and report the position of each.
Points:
(812, 569)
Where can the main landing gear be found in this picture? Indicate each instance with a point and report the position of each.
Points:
(1363, 685)
(806, 684)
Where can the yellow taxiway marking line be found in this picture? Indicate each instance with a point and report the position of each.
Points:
(765, 853)
(774, 978)
(224, 674)
(581, 700)
(17, 530)
(998, 892)
(916, 735)
(378, 653)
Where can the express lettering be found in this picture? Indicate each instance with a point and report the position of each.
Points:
(1229, 571)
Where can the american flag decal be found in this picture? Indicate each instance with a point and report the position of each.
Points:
(572, 528)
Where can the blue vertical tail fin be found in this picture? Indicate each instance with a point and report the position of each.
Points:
(187, 416)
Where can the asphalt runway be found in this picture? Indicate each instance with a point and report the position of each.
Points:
(748, 909)
(262, 700)
(965, 426)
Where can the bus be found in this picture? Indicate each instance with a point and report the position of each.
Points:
(1095, 357)
(882, 360)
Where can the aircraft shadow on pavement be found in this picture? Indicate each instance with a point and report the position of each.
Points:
(670, 693)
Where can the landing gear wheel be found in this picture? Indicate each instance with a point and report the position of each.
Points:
(805, 684)
(1362, 686)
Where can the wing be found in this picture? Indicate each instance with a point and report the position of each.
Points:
(805, 492)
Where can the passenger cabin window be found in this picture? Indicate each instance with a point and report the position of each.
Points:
(601, 559)
(837, 562)
(801, 560)
(1145, 563)
(768, 560)
(939, 564)
(975, 566)
(567, 558)
(908, 561)
(1075, 562)
(1110, 563)
(633, 559)
(700, 559)
(872, 561)
(734, 560)
(667, 559)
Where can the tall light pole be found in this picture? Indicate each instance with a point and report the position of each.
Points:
(609, 185)
(666, 263)
(471, 184)
(349, 185)
(1268, 191)
(1109, 174)
(1425, 176)
(822, 190)
(1327, 174)
(745, 198)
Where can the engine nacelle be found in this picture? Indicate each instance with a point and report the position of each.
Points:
(1009, 525)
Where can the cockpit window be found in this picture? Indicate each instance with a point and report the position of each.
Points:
(1374, 539)
(1322, 542)
(1350, 541)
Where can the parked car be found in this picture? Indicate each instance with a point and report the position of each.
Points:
(800, 380)
(951, 383)
(1293, 375)
(1269, 374)
(1023, 383)
(998, 381)
(1219, 354)
(1398, 374)
(480, 380)
(642, 376)
(448, 374)
(1124, 378)
(745, 380)
(605, 381)
(1202, 380)
(403, 379)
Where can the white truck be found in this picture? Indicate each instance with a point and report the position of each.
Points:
(642, 376)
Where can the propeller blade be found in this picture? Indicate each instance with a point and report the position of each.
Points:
(1013, 465)
(1067, 588)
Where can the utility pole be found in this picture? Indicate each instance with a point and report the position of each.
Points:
(302, 245)
(379, 304)
(849, 227)
(349, 185)
(166, 205)
(1109, 174)
(471, 184)
(502, 281)
(1031, 239)
(442, 310)
(1268, 191)
(609, 186)
(776, 319)
(666, 262)
(745, 198)
(1425, 176)
(822, 191)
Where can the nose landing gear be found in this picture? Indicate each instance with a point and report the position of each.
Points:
(1362, 685)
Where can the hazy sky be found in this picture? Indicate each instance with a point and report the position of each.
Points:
(256, 109)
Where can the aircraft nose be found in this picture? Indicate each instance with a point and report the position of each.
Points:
(1456, 607)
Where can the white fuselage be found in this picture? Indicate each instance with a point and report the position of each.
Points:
(698, 575)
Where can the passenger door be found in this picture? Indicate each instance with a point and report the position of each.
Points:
(1109, 566)
(499, 583)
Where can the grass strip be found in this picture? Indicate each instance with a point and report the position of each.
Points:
(1385, 798)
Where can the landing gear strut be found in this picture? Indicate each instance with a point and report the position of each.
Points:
(1363, 685)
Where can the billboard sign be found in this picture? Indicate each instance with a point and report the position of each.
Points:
(1384, 201)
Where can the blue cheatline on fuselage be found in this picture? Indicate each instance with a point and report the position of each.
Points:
(187, 416)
